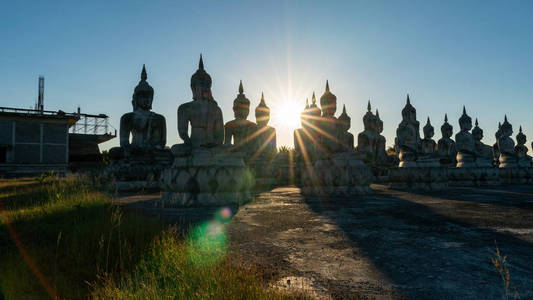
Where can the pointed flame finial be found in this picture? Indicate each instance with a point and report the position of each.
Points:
(262, 98)
(445, 118)
(520, 130)
(464, 110)
(377, 113)
(505, 119)
(313, 99)
(144, 76)
(369, 107)
(306, 102)
(201, 63)
(344, 108)
(241, 89)
(408, 100)
(327, 85)
(477, 122)
(428, 122)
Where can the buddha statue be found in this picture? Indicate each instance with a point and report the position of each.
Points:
(506, 146)
(429, 146)
(466, 149)
(381, 142)
(484, 152)
(265, 135)
(408, 136)
(202, 113)
(147, 129)
(524, 160)
(314, 115)
(495, 147)
(446, 146)
(345, 138)
(241, 130)
(328, 126)
(303, 137)
(367, 140)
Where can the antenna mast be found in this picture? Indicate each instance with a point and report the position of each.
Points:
(40, 102)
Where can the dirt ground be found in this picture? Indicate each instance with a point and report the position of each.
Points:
(390, 245)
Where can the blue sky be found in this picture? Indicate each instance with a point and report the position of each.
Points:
(443, 53)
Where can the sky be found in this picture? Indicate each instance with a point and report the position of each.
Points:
(445, 54)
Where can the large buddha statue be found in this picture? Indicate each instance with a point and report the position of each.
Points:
(466, 149)
(345, 137)
(328, 125)
(240, 129)
(495, 147)
(203, 115)
(147, 129)
(265, 135)
(367, 139)
(506, 145)
(304, 145)
(381, 142)
(429, 146)
(408, 136)
(484, 152)
(524, 160)
(446, 146)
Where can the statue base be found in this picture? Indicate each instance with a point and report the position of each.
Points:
(516, 175)
(138, 172)
(508, 161)
(473, 176)
(465, 160)
(341, 174)
(419, 178)
(212, 176)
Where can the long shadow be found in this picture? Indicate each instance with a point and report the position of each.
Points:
(516, 196)
(427, 255)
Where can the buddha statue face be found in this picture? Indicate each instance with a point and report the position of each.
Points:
(447, 131)
(465, 122)
(429, 132)
(201, 84)
(262, 117)
(477, 134)
(521, 139)
(241, 111)
(142, 100)
(507, 130)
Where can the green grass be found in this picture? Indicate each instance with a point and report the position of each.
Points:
(63, 238)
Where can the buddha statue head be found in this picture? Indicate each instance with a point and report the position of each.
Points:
(379, 123)
(328, 102)
(369, 120)
(262, 112)
(344, 120)
(201, 84)
(446, 129)
(428, 129)
(314, 111)
(465, 122)
(477, 133)
(241, 105)
(409, 112)
(143, 95)
(521, 137)
(507, 128)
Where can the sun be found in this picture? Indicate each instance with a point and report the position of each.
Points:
(287, 115)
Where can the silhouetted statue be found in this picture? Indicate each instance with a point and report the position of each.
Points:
(367, 139)
(484, 152)
(266, 135)
(429, 146)
(202, 114)
(303, 137)
(240, 129)
(506, 145)
(380, 151)
(524, 160)
(495, 147)
(446, 146)
(466, 149)
(346, 138)
(147, 129)
(328, 125)
(408, 136)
